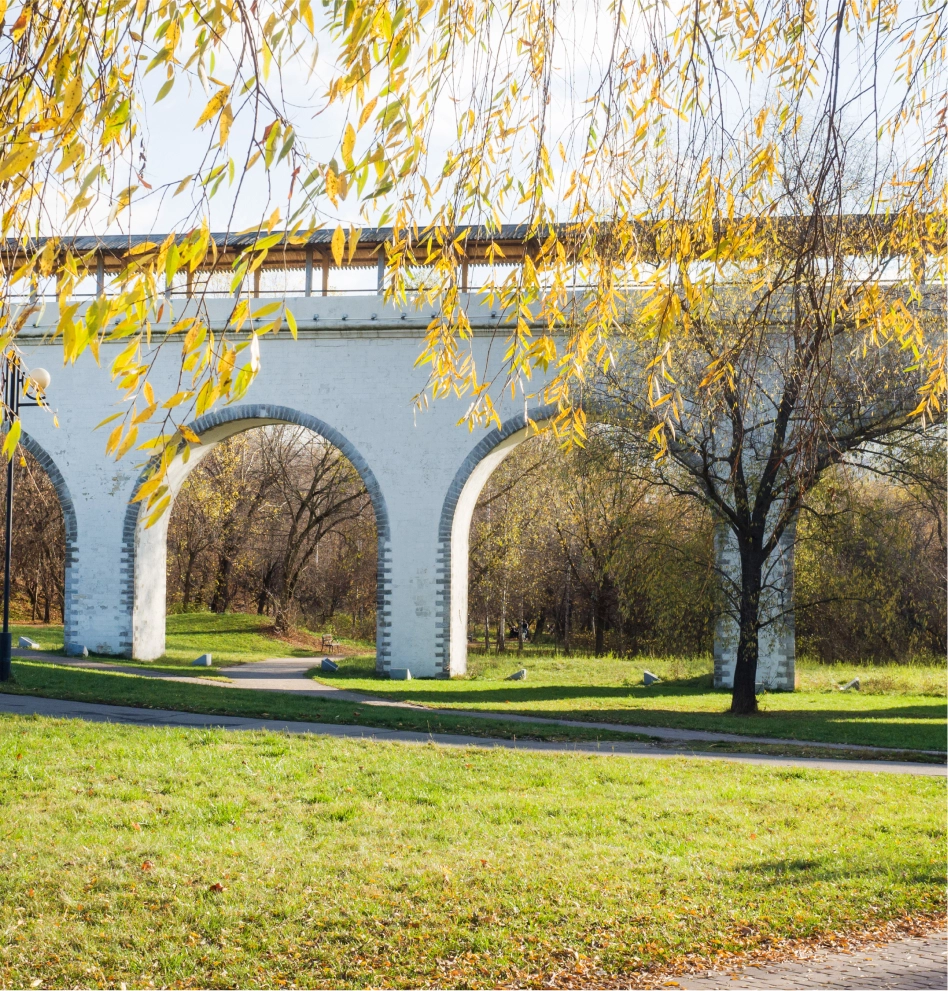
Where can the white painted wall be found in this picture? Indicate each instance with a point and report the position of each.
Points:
(353, 369)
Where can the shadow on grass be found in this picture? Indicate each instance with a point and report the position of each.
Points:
(47, 679)
(769, 874)
(857, 726)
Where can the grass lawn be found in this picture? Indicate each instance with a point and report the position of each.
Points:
(50, 680)
(898, 706)
(180, 858)
(231, 638)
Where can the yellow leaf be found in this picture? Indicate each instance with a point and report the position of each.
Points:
(348, 144)
(157, 512)
(367, 113)
(12, 439)
(176, 400)
(148, 487)
(227, 120)
(189, 435)
(18, 161)
(126, 444)
(332, 185)
(72, 96)
(291, 322)
(145, 414)
(159, 440)
(353, 241)
(113, 439)
(149, 393)
(109, 419)
(214, 106)
(206, 397)
(338, 244)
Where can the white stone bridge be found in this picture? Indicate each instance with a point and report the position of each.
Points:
(349, 377)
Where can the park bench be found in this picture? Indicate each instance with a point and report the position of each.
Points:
(328, 642)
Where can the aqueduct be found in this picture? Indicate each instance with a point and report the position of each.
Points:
(349, 377)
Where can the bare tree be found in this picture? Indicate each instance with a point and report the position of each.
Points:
(321, 492)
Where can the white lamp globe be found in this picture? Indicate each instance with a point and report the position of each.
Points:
(40, 378)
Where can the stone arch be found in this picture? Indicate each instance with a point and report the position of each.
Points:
(144, 551)
(454, 533)
(71, 581)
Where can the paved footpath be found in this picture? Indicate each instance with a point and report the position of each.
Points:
(902, 965)
(26, 705)
(289, 674)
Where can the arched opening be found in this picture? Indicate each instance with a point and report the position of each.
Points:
(455, 531)
(575, 552)
(278, 496)
(43, 585)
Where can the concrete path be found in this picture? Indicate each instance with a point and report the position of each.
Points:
(96, 712)
(288, 674)
(905, 964)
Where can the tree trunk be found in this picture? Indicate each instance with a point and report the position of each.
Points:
(188, 578)
(539, 625)
(744, 694)
(221, 597)
(567, 609)
(282, 604)
(502, 627)
(600, 624)
(486, 628)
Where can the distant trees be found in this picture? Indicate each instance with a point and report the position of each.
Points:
(607, 560)
(276, 521)
(39, 544)
(589, 555)
(582, 547)
(871, 549)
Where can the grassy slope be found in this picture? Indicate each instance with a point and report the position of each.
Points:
(232, 638)
(54, 681)
(352, 864)
(897, 706)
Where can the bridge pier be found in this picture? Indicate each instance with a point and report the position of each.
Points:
(776, 662)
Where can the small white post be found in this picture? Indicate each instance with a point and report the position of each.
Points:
(381, 270)
(309, 270)
(100, 275)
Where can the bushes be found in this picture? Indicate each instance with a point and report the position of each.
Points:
(599, 559)
(870, 574)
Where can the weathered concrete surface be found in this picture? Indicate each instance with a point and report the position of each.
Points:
(905, 964)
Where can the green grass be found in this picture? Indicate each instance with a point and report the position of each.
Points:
(230, 638)
(157, 857)
(50, 680)
(50, 638)
(899, 706)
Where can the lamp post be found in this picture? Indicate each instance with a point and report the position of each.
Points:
(15, 383)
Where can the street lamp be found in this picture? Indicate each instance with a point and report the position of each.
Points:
(16, 382)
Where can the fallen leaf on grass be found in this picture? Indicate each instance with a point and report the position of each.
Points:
(216, 886)
(147, 865)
